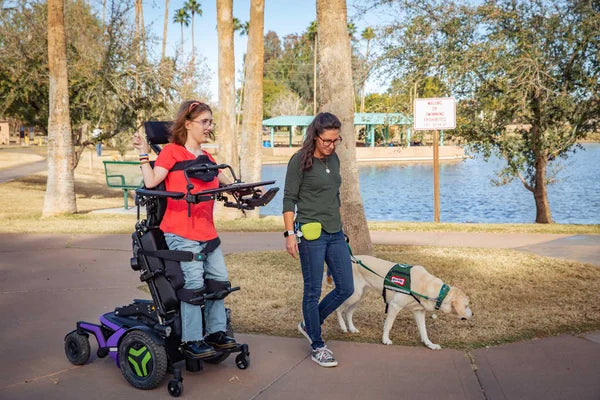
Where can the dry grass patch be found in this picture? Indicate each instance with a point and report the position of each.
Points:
(513, 295)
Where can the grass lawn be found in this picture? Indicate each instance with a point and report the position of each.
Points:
(513, 295)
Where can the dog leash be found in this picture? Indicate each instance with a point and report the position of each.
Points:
(438, 300)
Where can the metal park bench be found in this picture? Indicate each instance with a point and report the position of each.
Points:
(125, 175)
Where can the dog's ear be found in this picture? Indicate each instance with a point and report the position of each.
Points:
(459, 301)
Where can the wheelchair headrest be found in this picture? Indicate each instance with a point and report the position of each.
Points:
(157, 132)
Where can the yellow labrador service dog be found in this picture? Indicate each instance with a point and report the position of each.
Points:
(424, 286)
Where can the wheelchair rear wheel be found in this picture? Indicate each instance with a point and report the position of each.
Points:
(143, 362)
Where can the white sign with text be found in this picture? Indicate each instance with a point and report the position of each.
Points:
(435, 114)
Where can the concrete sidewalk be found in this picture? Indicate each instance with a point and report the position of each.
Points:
(48, 282)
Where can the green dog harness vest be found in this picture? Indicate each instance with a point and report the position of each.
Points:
(398, 280)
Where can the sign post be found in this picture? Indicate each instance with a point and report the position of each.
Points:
(434, 114)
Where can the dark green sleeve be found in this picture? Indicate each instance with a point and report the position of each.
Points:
(293, 180)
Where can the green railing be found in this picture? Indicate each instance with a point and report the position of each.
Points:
(124, 175)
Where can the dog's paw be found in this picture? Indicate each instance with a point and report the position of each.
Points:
(354, 330)
(433, 346)
(344, 329)
(386, 341)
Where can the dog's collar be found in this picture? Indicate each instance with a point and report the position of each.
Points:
(441, 296)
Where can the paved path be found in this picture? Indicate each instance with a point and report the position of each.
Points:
(10, 174)
(48, 282)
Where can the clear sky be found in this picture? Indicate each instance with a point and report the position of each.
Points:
(282, 16)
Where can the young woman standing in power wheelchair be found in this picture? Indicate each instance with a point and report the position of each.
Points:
(195, 233)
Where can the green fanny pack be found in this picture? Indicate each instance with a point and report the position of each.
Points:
(311, 231)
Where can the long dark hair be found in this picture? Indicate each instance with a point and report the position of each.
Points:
(188, 110)
(322, 122)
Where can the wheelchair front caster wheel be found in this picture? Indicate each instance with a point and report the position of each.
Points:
(77, 348)
(242, 361)
(175, 387)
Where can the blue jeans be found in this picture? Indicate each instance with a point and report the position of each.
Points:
(194, 273)
(332, 249)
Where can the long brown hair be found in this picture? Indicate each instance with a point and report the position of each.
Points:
(322, 122)
(188, 110)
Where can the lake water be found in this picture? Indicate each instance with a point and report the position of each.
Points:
(404, 192)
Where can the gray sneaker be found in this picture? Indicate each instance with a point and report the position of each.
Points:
(324, 357)
(302, 330)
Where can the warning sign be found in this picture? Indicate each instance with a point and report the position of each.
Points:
(435, 114)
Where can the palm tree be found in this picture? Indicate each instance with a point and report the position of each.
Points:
(166, 23)
(227, 137)
(193, 7)
(251, 158)
(140, 30)
(351, 29)
(182, 18)
(60, 186)
(368, 34)
(242, 29)
(335, 96)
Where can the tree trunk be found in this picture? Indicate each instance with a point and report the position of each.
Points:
(143, 33)
(364, 78)
(335, 95)
(315, 76)
(226, 135)
(60, 187)
(193, 48)
(543, 215)
(166, 23)
(251, 157)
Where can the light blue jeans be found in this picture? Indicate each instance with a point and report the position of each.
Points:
(194, 273)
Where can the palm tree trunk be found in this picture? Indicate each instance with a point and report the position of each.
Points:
(166, 23)
(143, 33)
(60, 187)
(364, 79)
(226, 135)
(193, 48)
(251, 157)
(336, 96)
(181, 39)
(315, 76)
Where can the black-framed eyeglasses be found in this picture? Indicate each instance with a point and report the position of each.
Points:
(329, 142)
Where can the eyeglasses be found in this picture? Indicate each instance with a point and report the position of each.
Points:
(206, 123)
(328, 142)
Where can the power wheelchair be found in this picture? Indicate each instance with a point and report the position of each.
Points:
(144, 337)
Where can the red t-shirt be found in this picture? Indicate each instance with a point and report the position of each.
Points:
(200, 225)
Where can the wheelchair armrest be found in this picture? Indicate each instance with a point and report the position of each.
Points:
(160, 193)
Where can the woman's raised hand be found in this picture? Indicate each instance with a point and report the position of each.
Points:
(139, 143)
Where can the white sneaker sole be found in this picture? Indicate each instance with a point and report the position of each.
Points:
(303, 332)
(325, 364)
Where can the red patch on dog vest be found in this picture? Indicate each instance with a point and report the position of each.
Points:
(397, 280)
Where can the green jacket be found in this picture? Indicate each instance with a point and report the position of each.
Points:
(314, 194)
